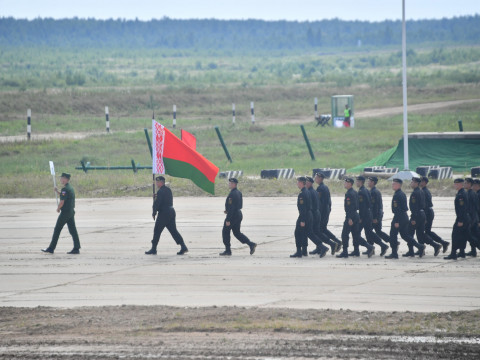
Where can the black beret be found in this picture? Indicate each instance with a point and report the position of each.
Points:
(349, 180)
(416, 179)
(320, 174)
(160, 178)
(456, 181)
(373, 178)
(65, 175)
(400, 181)
(424, 179)
(361, 178)
(476, 181)
(233, 180)
(309, 179)
(302, 179)
(469, 180)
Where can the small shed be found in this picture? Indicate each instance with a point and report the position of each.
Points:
(338, 108)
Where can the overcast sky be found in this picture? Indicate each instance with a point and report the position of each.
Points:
(301, 10)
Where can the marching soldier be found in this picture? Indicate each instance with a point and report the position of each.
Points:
(66, 208)
(351, 224)
(460, 232)
(304, 215)
(365, 212)
(317, 237)
(164, 215)
(430, 215)
(377, 208)
(476, 188)
(418, 219)
(474, 236)
(400, 221)
(233, 220)
(325, 207)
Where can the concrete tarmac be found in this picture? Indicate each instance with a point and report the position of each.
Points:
(112, 268)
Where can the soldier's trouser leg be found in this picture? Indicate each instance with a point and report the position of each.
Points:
(317, 230)
(473, 239)
(394, 239)
(160, 224)
(372, 238)
(300, 236)
(345, 236)
(172, 228)
(323, 227)
(357, 239)
(378, 230)
(428, 228)
(458, 239)
(239, 235)
(61, 221)
(226, 236)
(72, 229)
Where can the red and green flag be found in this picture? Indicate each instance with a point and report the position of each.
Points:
(173, 157)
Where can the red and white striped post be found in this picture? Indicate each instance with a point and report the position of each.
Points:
(252, 110)
(174, 116)
(29, 124)
(107, 120)
(233, 113)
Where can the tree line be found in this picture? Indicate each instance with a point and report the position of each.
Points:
(233, 35)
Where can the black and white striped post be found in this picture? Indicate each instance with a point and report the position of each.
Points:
(316, 108)
(174, 116)
(107, 120)
(29, 124)
(233, 113)
(252, 110)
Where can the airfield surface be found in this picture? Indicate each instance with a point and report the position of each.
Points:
(112, 268)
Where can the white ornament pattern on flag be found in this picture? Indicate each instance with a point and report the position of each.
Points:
(158, 144)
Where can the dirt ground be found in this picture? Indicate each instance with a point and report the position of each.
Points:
(114, 302)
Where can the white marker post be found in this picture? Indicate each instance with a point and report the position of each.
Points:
(252, 110)
(174, 116)
(29, 125)
(316, 108)
(233, 113)
(107, 120)
(52, 171)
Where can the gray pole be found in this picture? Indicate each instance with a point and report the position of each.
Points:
(29, 124)
(233, 113)
(174, 116)
(405, 114)
(252, 110)
(223, 143)
(308, 142)
(107, 120)
(316, 108)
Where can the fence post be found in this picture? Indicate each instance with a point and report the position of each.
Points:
(174, 116)
(29, 124)
(223, 143)
(107, 120)
(233, 113)
(252, 110)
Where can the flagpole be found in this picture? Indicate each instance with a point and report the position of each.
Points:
(52, 171)
(153, 170)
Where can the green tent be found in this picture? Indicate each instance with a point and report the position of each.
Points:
(460, 151)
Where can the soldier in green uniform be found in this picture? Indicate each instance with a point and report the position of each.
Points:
(66, 208)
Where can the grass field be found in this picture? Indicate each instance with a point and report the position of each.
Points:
(134, 84)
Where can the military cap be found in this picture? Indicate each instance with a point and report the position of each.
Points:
(416, 179)
(469, 180)
(349, 180)
(424, 179)
(476, 181)
(309, 179)
(400, 181)
(233, 180)
(160, 178)
(373, 178)
(459, 180)
(65, 175)
(361, 178)
(302, 179)
(320, 174)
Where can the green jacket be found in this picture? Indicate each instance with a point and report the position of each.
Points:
(68, 196)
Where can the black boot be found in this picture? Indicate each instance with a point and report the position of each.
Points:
(183, 250)
(298, 254)
(304, 251)
(252, 246)
(227, 252)
(152, 251)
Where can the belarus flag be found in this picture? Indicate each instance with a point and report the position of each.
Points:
(173, 157)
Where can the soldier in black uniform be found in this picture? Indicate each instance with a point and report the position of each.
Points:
(430, 215)
(365, 212)
(351, 224)
(317, 237)
(400, 221)
(377, 209)
(233, 220)
(165, 215)
(476, 188)
(418, 219)
(66, 208)
(462, 222)
(304, 215)
(325, 207)
(474, 236)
